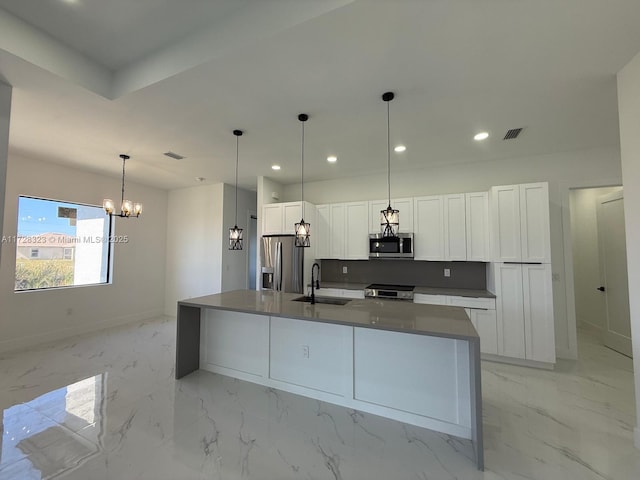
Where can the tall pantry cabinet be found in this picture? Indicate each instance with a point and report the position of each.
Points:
(521, 252)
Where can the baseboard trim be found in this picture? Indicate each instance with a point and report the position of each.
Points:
(517, 361)
(7, 346)
(566, 354)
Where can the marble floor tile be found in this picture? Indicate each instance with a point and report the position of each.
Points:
(106, 406)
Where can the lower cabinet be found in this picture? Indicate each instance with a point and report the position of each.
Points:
(485, 323)
(525, 311)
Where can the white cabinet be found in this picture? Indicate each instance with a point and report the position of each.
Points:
(429, 299)
(525, 311)
(403, 205)
(280, 218)
(520, 223)
(539, 332)
(342, 231)
(336, 230)
(355, 233)
(477, 222)
(455, 237)
(429, 228)
(440, 228)
(322, 231)
(485, 323)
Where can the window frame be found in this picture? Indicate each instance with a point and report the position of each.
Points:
(110, 247)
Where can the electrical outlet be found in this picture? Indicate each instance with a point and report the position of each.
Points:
(345, 270)
(305, 351)
(447, 272)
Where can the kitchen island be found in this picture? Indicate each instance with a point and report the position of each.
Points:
(419, 364)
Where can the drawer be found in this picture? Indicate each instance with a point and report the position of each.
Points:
(471, 302)
(429, 299)
(353, 293)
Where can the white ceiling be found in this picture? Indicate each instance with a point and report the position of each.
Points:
(149, 76)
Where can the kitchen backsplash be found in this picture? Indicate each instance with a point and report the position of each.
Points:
(472, 275)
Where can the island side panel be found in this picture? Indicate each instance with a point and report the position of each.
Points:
(187, 340)
(475, 384)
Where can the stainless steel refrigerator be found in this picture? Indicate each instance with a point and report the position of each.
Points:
(282, 264)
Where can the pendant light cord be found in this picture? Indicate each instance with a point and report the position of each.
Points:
(388, 155)
(237, 157)
(302, 173)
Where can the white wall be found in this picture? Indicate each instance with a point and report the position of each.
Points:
(5, 114)
(591, 167)
(137, 290)
(235, 263)
(589, 303)
(629, 110)
(194, 243)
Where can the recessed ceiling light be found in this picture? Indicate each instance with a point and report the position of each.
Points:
(332, 159)
(481, 136)
(399, 148)
(275, 167)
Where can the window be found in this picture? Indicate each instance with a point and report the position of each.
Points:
(61, 244)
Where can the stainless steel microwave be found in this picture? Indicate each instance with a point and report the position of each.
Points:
(391, 247)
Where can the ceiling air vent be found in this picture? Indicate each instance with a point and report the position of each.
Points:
(173, 155)
(512, 134)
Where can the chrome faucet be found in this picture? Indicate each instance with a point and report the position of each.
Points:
(316, 284)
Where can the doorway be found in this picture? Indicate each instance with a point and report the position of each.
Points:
(596, 250)
(613, 271)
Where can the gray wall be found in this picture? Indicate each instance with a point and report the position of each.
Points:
(407, 272)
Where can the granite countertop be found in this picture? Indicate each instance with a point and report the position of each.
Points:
(459, 292)
(398, 316)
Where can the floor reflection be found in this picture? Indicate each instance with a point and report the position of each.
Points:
(55, 432)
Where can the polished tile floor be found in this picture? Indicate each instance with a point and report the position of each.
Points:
(106, 406)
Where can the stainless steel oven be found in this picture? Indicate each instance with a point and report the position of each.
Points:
(391, 247)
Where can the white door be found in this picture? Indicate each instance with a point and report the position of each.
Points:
(613, 271)
(291, 214)
(336, 231)
(534, 222)
(272, 219)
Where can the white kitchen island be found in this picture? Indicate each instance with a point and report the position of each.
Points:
(419, 364)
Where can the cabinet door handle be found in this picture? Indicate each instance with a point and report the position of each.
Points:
(602, 289)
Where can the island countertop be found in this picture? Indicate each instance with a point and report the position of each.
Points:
(392, 315)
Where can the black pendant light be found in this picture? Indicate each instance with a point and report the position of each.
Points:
(235, 233)
(302, 229)
(389, 218)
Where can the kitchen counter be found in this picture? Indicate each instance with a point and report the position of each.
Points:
(415, 363)
(458, 292)
(397, 316)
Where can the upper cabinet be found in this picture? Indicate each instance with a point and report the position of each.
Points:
(280, 218)
(403, 205)
(429, 228)
(455, 236)
(343, 231)
(520, 220)
(477, 223)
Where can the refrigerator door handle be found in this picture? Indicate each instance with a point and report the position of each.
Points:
(278, 267)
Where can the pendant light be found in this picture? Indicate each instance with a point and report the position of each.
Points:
(389, 218)
(235, 233)
(302, 229)
(127, 207)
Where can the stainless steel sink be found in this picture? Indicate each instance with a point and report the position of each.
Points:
(324, 300)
